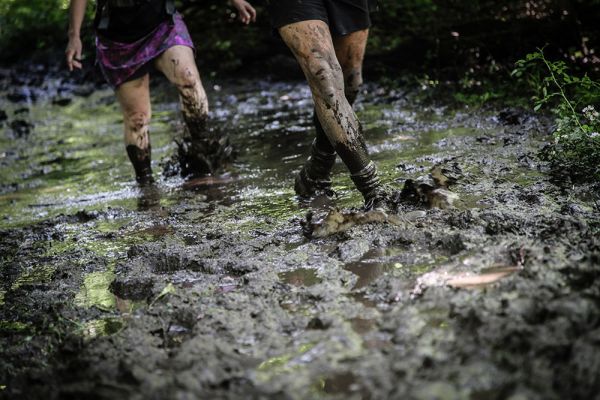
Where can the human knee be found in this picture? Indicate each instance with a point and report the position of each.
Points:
(137, 121)
(324, 74)
(187, 81)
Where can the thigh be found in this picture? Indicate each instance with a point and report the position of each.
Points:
(178, 65)
(311, 43)
(350, 49)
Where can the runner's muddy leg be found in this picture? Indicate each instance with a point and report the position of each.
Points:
(201, 151)
(315, 175)
(350, 52)
(134, 98)
(311, 43)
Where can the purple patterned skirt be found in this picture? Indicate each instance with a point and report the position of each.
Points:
(119, 61)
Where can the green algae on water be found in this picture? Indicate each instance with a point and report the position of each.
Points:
(58, 247)
(34, 275)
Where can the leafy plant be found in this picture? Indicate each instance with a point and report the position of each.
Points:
(574, 100)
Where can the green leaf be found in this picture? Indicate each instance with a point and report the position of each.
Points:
(169, 289)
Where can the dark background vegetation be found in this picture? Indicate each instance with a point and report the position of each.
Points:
(444, 39)
(472, 52)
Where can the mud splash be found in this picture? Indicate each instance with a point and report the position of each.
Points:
(209, 289)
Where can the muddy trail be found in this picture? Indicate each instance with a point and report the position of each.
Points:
(208, 289)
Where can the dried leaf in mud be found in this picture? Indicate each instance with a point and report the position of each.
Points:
(438, 198)
(428, 195)
(464, 280)
(336, 221)
(433, 192)
(484, 278)
(441, 177)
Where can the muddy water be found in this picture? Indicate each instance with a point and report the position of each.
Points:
(208, 289)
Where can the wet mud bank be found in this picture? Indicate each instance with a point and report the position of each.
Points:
(210, 289)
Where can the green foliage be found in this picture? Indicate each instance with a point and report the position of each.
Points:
(221, 41)
(30, 26)
(574, 100)
(443, 38)
(453, 37)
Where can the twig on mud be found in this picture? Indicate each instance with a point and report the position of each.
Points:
(521, 260)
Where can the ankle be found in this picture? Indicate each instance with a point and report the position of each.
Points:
(307, 186)
(367, 180)
(141, 161)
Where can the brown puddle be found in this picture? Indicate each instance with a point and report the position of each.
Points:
(373, 264)
(300, 277)
(362, 325)
(366, 327)
(367, 272)
(343, 382)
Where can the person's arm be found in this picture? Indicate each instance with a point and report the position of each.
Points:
(246, 13)
(73, 51)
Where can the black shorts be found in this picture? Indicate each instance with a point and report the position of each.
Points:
(342, 16)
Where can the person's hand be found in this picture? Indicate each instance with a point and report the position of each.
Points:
(246, 13)
(73, 53)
